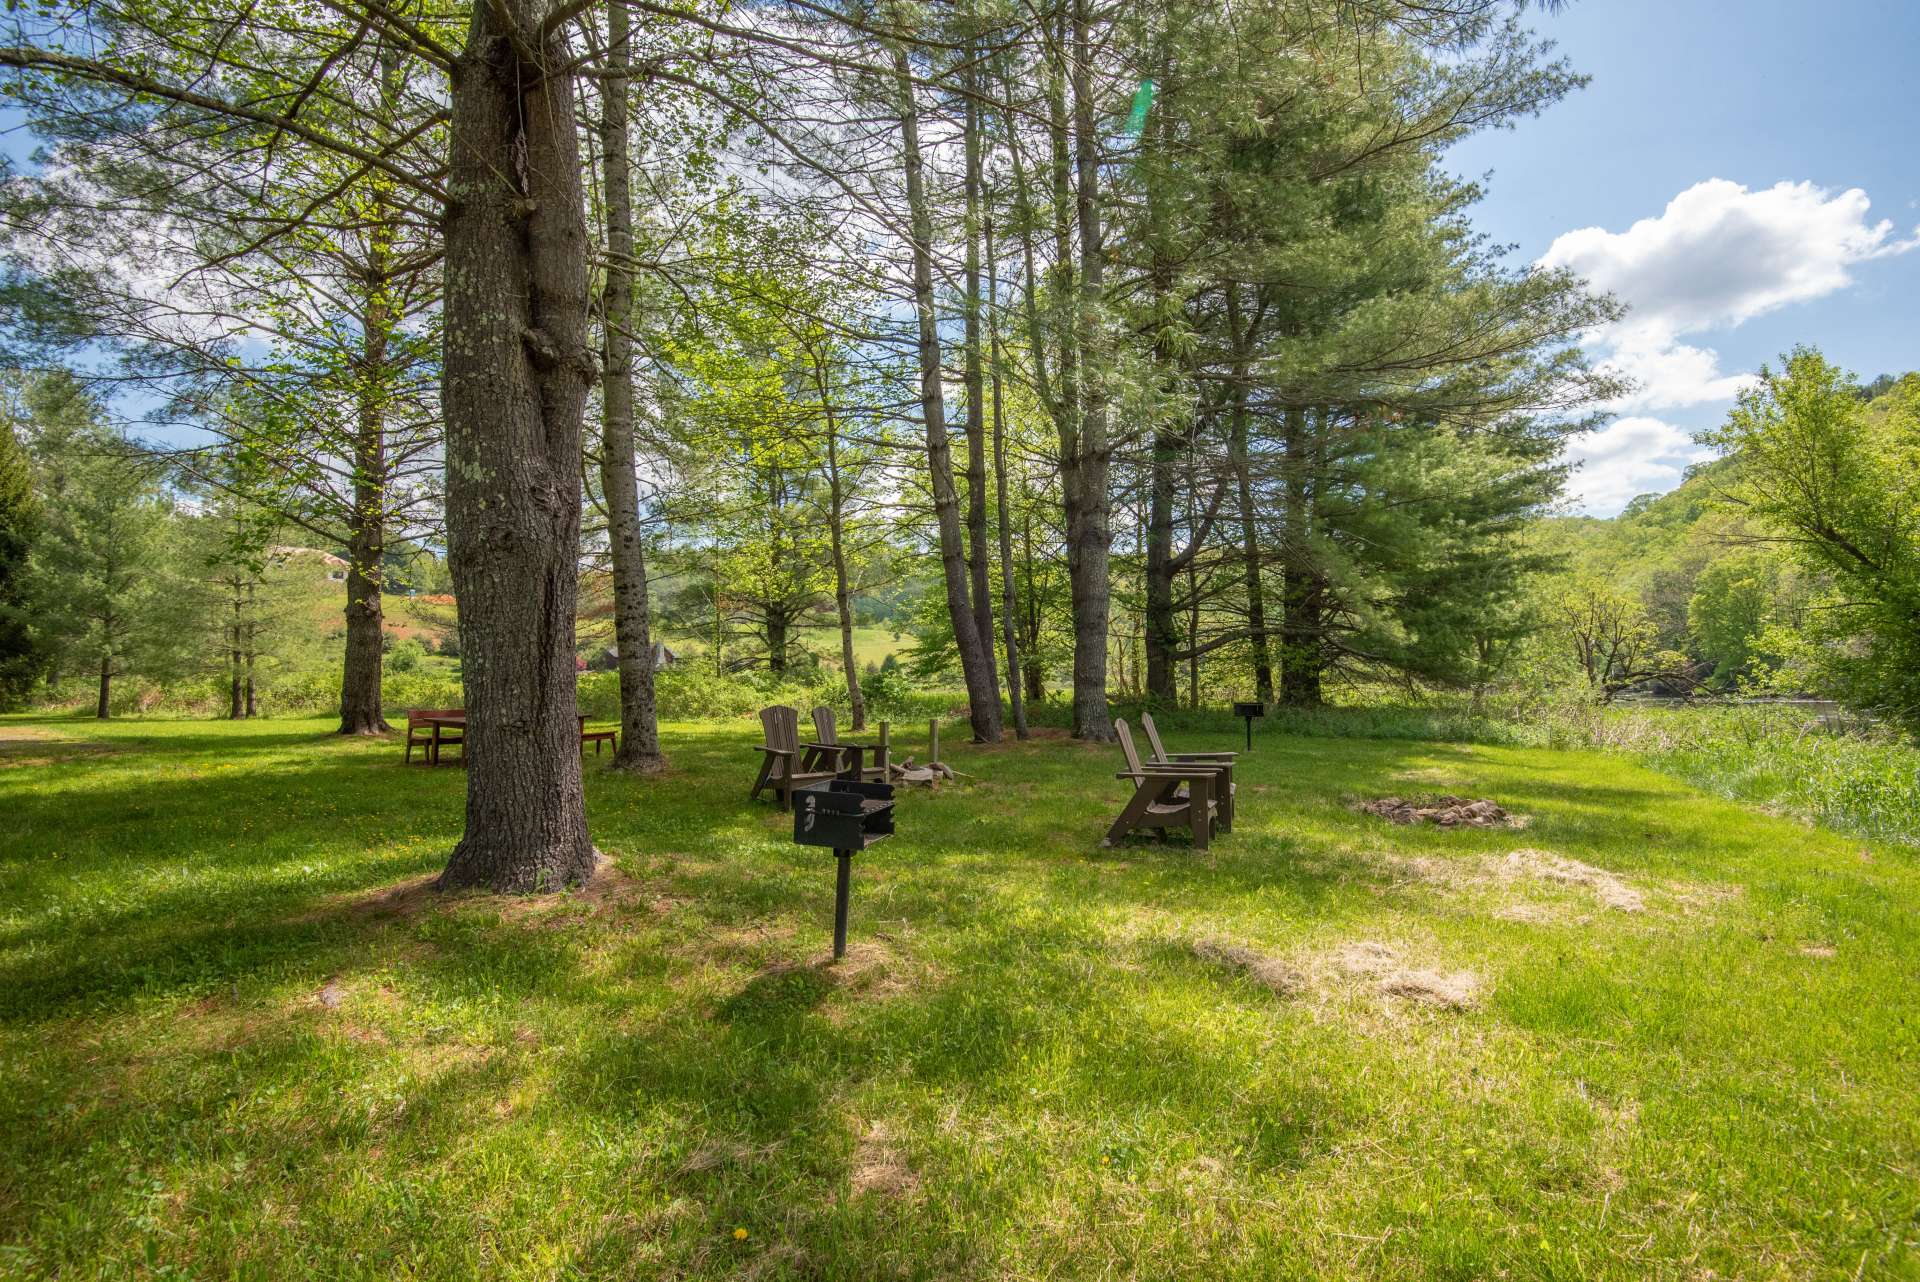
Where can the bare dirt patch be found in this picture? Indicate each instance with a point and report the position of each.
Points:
(879, 1169)
(1271, 972)
(1818, 950)
(38, 746)
(1544, 865)
(1381, 964)
(1444, 812)
(609, 888)
(718, 1154)
(401, 901)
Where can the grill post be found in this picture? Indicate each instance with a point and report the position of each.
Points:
(841, 885)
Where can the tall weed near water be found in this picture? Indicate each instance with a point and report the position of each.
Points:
(1857, 778)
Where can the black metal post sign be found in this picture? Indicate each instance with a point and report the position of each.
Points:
(1249, 711)
(843, 815)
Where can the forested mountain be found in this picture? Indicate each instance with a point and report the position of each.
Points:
(1761, 570)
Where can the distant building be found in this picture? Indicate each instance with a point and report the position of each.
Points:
(609, 657)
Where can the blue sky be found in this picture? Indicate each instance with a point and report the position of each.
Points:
(1699, 111)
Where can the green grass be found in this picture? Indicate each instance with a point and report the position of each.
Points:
(228, 1048)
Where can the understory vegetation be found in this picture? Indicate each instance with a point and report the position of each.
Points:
(1651, 1034)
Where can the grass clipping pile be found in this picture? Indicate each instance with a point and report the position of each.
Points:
(1444, 812)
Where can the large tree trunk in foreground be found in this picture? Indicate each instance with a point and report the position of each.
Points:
(632, 627)
(1084, 473)
(516, 373)
(976, 652)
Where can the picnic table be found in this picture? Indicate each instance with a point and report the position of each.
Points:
(450, 727)
(438, 724)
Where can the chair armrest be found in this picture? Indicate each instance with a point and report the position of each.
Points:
(1163, 772)
(774, 752)
(1224, 758)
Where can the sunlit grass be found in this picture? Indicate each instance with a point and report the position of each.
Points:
(237, 1040)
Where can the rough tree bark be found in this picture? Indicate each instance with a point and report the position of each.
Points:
(234, 671)
(977, 545)
(983, 691)
(361, 712)
(836, 537)
(1085, 468)
(1008, 601)
(632, 625)
(1249, 522)
(360, 707)
(516, 374)
(1303, 597)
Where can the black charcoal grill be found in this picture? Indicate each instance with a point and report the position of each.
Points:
(843, 815)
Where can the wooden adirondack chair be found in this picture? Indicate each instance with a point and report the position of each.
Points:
(1220, 762)
(827, 743)
(1164, 796)
(780, 764)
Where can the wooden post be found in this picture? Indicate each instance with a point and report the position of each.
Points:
(882, 755)
(933, 753)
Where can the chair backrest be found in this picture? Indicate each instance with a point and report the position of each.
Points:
(1153, 736)
(416, 715)
(782, 725)
(825, 728)
(1126, 746)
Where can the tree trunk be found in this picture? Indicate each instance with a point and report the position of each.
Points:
(515, 377)
(983, 688)
(252, 647)
(1249, 522)
(1036, 677)
(1084, 472)
(1302, 625)
(360, 706)
(361, 711)
(1160, 634)
(836, 536)
(777, 640)
(233, 659)
(1008, 601)
(632, 625)
(106, 684)
(977, 544)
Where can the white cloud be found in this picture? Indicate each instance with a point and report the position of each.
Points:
(1628, 457)
(1668, 374)
(1721, 254)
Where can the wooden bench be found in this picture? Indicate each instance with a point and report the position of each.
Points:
(597, 737)
(431, 734)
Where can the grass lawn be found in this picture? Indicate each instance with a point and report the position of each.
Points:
(237, 1039)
